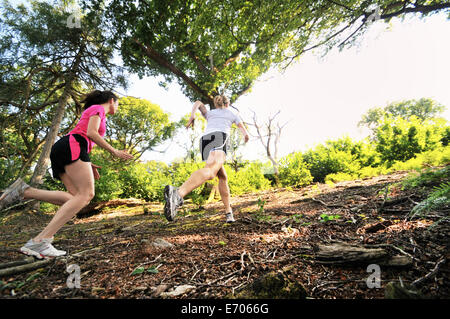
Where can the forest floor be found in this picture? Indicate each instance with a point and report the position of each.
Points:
(278, 230)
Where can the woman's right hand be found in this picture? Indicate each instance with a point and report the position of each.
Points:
(190, 122)
(123, 154)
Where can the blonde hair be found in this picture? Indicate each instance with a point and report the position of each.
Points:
(220, 101)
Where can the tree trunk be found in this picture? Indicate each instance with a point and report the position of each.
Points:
(42, 163)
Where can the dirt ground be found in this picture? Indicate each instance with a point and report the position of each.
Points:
(274, 230)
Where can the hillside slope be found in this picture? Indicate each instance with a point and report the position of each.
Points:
(289, 231)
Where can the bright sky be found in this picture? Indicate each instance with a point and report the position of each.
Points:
(324, 98)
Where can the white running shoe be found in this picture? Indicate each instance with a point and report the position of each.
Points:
(172, 201)
(43, 249)
(13, 193)
(230, 217)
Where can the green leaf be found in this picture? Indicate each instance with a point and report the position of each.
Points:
(138, 270)
(152, 270)
(33, 277)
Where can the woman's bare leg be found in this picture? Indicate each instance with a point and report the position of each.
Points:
(224, 190)
(81, 177)
(197, 178)
(52, 197)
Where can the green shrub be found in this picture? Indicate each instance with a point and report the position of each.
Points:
(368, 171)
(427, 177)
(439, 198)
(436, 157)
(398, 139)
(337, 156)
(248, 179)
(338, 177)
(108, 187)
(294, 171)
(180, 172)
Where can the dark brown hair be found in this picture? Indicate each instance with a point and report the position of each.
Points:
(98, 97)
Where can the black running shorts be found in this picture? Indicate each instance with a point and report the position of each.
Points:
(66, 150)
(212, 142)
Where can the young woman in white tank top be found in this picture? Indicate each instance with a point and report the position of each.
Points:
(213, 148)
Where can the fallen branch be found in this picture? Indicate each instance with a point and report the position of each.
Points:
(16, 205)
(430, 274)
(24, 268)
(221, 278)
(79, 254)
(325, 204)
(17, 263)
(242, 261)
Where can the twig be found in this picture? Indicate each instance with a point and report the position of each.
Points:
(237, 287)
(19, 204)
(149, 262)
(192, 278)
(79, 254)
(242, 261)
(326, 205)
(430, 274)
(221, 278)
(392, 246)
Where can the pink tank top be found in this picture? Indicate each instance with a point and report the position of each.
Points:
(82, 126)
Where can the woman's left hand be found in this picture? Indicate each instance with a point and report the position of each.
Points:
(95, 171)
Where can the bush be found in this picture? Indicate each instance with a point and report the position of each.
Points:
(108, 186)
(436, 157)
(439, 198)
(180, 172)
(368, 171)
(338, 177)
(248, 179)
(338, 156)
(398, 139)
(294, 171)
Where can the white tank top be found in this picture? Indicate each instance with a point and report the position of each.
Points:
(220, 120)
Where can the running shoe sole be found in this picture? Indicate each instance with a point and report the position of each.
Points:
(167, 206)
(33, 253)
(18, 188)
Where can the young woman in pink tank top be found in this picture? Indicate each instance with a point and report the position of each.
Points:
(71, 164)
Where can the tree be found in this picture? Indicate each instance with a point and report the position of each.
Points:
(218, 46)
(189, 140)
(139, 126)
(236, 141)
(269, 134)
(47, 63)
(423, 109)
(400, 139)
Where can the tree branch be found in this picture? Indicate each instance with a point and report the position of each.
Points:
(162, 61)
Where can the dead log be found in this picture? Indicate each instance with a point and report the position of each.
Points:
(341, 253)
(373, 228)
(346, 254)
(93, 208)
(397, 261)
(24, 268)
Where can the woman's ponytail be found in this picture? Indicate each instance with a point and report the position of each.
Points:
(220, 101)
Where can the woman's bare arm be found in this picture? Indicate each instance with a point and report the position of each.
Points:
(244, 132)
(197, 106)
(92, 133)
